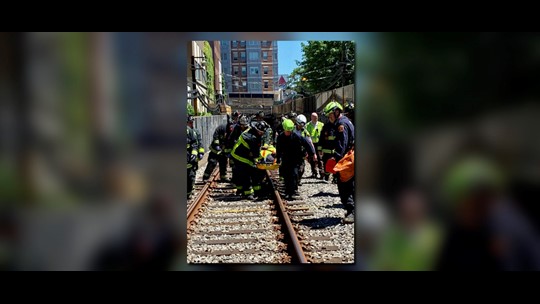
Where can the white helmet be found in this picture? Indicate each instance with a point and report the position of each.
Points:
(301, 119)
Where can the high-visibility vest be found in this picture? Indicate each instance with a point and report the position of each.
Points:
(315, 131)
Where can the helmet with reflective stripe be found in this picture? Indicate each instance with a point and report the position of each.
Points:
(331, 106)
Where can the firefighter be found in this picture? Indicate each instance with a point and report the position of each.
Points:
(290, 155)
(268, 136)
(327, 142)
(192, 151)
(344, 143)
(246, 152)
(349, 111)
(235, 117)
(200, 151)
(238, 129)
(217, 153)
(300, 129)
(314, 127)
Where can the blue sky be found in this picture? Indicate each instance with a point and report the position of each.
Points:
(288, 53)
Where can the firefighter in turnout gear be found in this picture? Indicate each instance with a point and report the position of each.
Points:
(192, 151)
(344, 142)
(217, 153)
(238, 129)
(268, 135)
(290, 149)
(327, 143)
(314, 127)
(246, 152)
(200, 154)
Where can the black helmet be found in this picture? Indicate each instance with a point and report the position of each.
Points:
(259, 126)
(292, 116)
(190, 118)
(349, 107)
(236, 114)
(260, 114)
(244, 120)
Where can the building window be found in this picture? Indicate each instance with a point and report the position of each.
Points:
(244, 72)
(254, 71)
(253, 55)
(265, 56)
(224, 56)
(265, 43)
(235, 43)
(242, 44)
(243, 56)
(255, 86)
(266, 84)
(244, 84)
(235, 56)
(236, 85)
(235, 70)
(275, 56)
(265, 70)
(225, 43)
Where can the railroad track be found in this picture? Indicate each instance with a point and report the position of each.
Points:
(225, 229)
(316, 218)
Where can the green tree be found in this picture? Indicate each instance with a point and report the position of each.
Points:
(189, 109)
(325, 65)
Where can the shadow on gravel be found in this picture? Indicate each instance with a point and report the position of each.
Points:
(326, 194)
(321, 223)
(335, 206)
(226, 198)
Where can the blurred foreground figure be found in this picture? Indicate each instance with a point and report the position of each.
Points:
(486, 232)
(412, 242)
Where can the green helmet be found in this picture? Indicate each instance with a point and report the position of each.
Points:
(288, 125)
(331, 106)
(468, 174)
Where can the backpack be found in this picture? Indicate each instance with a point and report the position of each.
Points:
(345, 166)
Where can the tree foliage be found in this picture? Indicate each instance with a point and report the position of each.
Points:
(325, 65)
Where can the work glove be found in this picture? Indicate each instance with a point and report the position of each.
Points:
(201, 155)
(192, 158)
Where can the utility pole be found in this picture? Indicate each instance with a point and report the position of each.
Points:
(343, 74)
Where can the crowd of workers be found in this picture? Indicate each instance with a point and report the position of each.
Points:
(244, 142)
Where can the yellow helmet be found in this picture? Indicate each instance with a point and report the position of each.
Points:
(288, 125)
(331, 106)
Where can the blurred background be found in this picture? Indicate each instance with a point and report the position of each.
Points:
(448, 169)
